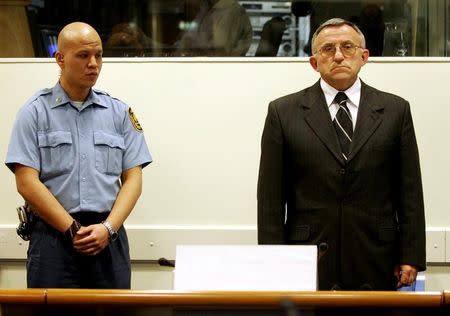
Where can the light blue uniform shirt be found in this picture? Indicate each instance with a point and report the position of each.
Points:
(80, 153)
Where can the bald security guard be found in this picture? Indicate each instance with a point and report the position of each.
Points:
(77, 154)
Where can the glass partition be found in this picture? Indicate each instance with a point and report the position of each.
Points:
(225, 28)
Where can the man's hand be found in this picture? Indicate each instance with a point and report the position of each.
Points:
(91, 240)
(405, 274)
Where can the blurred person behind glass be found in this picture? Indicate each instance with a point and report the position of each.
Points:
(368, 17)
(128, 40)
(221, 28)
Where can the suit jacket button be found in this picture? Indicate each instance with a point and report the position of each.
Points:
(323, 246)
(342, 171)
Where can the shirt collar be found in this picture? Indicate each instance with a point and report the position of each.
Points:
(353, 93)
(60, 97)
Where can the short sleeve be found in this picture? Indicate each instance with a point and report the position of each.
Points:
(136, 150)
(23, 145)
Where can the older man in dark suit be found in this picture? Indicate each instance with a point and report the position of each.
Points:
(340, 169)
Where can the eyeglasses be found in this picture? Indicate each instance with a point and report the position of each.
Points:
(347, 49)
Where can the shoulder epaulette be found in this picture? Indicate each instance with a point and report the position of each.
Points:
(39, 93)
(100, 92)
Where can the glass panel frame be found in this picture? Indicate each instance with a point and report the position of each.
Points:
(228, 28)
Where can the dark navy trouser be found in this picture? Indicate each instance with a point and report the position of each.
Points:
(53, 263)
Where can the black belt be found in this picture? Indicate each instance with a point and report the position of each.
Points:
(89, 218)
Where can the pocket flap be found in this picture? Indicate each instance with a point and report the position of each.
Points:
(301, 232)
(102, 138)
(53, 139)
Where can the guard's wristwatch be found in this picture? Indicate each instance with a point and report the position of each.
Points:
(112, 233)
(72, 230)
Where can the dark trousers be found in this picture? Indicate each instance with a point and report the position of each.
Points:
(53, 263)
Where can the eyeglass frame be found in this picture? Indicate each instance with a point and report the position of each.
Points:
(320, 50)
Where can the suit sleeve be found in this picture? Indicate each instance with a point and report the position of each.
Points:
(271, 195)
(411, 217)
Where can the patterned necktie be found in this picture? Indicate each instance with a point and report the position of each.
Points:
(343, 124)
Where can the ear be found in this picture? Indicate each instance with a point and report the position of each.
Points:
(365, 56)
(313, 62)
(59, 58)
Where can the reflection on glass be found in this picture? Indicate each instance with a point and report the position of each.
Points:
(275, 27)
(165, 28)
(220, 28)
(447, 53)
(371, 23)
(395, 39)
(125, 40)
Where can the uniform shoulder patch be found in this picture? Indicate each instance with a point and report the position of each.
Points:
(134, 121)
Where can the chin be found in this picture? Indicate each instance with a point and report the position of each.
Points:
(340, 78)
(90, 83)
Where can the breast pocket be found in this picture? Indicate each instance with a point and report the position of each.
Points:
(56, 153)
(108, 153)
(299, 234)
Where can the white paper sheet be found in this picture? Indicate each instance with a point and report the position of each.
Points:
(246, 268)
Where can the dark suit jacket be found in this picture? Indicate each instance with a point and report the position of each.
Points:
(366, 214)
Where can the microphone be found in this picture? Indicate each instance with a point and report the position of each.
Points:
(289, 307)
(166, 263)
(323, 248)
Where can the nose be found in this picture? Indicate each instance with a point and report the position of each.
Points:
(93, 62)
(338, 54)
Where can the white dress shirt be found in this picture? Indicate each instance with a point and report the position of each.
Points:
(353, 94)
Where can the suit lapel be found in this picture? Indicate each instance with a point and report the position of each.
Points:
(370, 115)
(317, 116)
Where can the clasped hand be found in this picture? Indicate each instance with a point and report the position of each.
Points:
(405, 274)
(90, 240)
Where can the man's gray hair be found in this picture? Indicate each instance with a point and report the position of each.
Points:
(336, 22)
